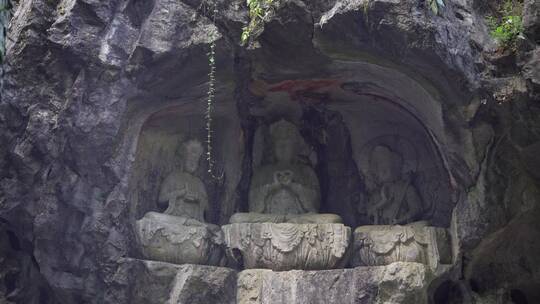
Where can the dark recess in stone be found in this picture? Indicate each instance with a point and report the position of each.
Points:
(10, 282)
(326, 131)
(474, 286)
(518, 297)
(448, 293)
(138, 11)
(44, 297)
(13, 240)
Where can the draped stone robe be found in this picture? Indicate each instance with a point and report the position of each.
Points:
(192, 204)
(300, 196)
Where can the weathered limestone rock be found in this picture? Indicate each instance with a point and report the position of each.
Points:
(396, 283)
(530, 155)
(288, 246)
(531, 19)
(382, 245)
(22, 281)
(531, 68)
(80, 74)
(147, 282)
(508, 259)
(179, 235)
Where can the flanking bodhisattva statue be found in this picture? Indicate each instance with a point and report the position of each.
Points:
(396, 208)
(282, 229)
(180, 234)
(394, 199)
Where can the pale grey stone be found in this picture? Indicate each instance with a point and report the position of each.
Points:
(382, 245)
(149, 282)
(180, 235)
(285, 190)
(164, 238)
(288, 246)
(392, 284)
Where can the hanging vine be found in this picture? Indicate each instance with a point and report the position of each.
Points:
(210, 100)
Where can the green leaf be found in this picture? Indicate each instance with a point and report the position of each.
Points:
(434, 7)
(245, 36)
(507, 28)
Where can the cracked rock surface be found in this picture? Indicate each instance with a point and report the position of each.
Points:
(83, 77)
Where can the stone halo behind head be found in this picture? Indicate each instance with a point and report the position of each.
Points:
(284, 130)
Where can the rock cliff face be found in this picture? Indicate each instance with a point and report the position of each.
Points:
(92, 91)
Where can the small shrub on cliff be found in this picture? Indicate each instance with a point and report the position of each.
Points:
(259, 13)
(508, 25)
(436, 5)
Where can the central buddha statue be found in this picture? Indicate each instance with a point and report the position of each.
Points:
(282, 229)
(286, 191)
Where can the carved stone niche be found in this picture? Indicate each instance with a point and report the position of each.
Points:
(399, 158)
(378, 245)
(283, 229)
(176, 201)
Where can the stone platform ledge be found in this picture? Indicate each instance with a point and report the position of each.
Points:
(379, 245)
(161, 238)
(400, 282)
(149, 282)
(286, 246)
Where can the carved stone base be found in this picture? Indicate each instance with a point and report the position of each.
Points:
(392, 284)
(179, 244)
(384, 244)
(149, 282)
(288, 246)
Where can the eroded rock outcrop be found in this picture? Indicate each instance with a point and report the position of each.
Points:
(97, 95)
(139, 281)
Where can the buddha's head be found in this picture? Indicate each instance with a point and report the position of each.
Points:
(386, 165)
(192, 152)
(285, 139)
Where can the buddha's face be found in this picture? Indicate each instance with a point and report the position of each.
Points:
(386, 165)
(192, 154)
(284, 150)
(386, 172)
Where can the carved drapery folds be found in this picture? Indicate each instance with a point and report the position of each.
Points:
(288, 246)
(379, 245)
(165, 238)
